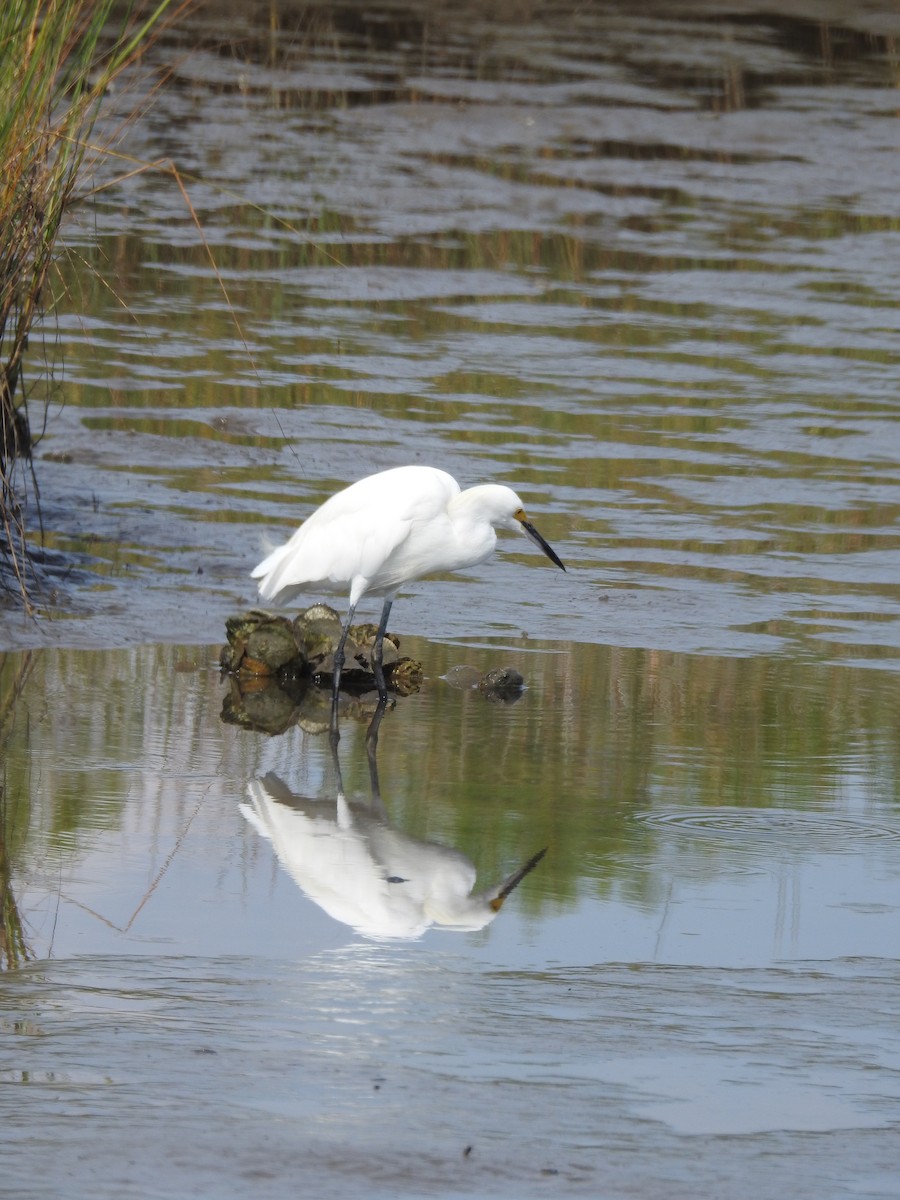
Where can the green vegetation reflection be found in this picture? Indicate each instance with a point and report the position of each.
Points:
(600, 737)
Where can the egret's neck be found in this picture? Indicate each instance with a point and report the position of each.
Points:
(474, 500)
(471, 517)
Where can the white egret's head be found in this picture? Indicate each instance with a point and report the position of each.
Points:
(503, 507)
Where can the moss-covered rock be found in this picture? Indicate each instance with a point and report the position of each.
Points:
(273, 663)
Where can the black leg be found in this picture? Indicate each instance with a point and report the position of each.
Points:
(372, 755)
(336, 762)
(378, 651)
(336, 676)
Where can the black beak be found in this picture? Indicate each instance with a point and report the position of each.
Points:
(533, 534)
(514, 880)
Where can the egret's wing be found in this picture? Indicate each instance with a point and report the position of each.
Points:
(329, 857)
(357, 530)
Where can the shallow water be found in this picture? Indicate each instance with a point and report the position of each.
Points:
(641, 266)
(694, 991)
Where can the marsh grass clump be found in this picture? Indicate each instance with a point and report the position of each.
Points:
(58, 58)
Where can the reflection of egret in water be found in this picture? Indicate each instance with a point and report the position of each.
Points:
(365, 872)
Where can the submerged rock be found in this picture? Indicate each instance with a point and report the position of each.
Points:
(260, 644)
(319, 630)
(260, 703)
(272, 705)
(404, 677)
(463, 677)
(280, 671)
(503, 684)
(273, 663)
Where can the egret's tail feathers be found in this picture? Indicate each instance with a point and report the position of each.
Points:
(268, 574)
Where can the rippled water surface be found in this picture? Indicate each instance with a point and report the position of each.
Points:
(642, 266)
(234, 977)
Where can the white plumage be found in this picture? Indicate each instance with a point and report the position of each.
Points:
(388, 530)
(368, 874)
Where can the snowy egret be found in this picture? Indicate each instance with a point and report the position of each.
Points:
(365, 872)
(388, 530)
